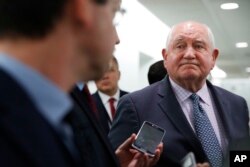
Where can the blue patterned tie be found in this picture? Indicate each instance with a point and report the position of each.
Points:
(206, 134)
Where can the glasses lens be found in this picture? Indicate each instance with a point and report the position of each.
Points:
(118, 17)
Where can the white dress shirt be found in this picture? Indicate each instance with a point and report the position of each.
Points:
(105, 100)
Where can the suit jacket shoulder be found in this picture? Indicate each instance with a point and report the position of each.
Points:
(26, 138)
(122, 92)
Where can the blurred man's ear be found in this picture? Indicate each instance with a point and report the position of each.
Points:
(82, 11)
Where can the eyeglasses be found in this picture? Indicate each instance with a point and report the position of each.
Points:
(118, 16)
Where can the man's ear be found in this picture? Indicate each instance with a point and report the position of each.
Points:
(164, 56)
(83, 12)
(164, 53)
(215, 55)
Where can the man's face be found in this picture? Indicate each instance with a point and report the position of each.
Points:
(101, 38)
(190, 55)
(108, 84)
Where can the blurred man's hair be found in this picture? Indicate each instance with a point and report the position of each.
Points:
(156, 72)
(30, 18)
(115, 61)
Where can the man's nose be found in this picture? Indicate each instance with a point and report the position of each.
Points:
(189, 53)
(117, 39)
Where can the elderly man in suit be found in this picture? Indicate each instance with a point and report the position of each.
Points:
(107, 95)
(196, 115)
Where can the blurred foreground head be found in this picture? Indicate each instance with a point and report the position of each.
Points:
(66, 40)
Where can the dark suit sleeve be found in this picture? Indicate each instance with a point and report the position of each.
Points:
(125, 123)
(246, 114)
(240, 119)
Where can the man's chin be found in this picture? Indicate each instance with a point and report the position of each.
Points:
(189, 76)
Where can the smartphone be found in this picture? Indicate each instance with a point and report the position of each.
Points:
(188, 160)
(148, 138)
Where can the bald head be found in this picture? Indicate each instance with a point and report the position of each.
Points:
(191, 26)
(190, 54)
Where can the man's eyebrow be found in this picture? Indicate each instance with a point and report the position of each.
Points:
(199, 41)
(178, 39)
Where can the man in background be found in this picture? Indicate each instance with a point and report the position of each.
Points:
(198, 117)
(156, 72)
(108, 94)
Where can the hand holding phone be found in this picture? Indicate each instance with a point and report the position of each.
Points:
(148, 138)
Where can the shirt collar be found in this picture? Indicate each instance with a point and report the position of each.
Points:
(51, 102)
(105, 98)
(203, 93)
(80, 85)
(183, 94)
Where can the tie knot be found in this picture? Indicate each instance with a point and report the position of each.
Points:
(194, 97)
(112, 100)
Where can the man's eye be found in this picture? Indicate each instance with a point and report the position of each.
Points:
(180, 46)
(199, 47)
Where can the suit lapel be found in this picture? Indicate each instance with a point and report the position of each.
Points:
(223, 109)
(81, 99)
(103, 111)
(170, 106)
(76, 95)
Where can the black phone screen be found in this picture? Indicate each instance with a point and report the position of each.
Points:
(148, 138)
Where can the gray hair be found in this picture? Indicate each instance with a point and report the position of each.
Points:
(209, 33)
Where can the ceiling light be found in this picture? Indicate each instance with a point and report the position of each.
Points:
(229, 6)
(241, 45)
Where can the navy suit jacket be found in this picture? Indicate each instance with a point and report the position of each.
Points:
(102, 112)
(157, 104)
(26, 138)
(97, 150)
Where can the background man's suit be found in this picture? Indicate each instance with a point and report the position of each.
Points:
(102, 112)
(27, 139)
(158, 104)
(100, 151)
